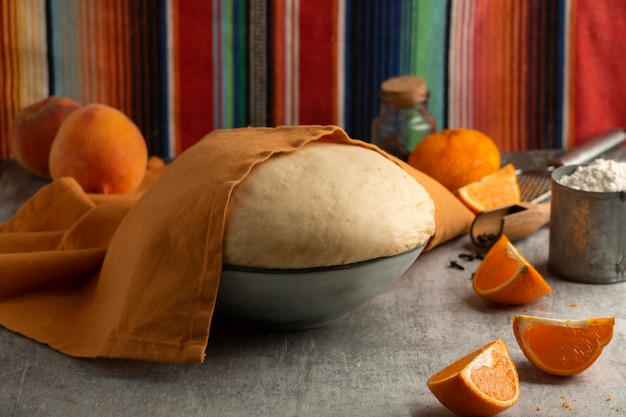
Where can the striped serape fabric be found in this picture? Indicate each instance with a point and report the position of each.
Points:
(531, 74)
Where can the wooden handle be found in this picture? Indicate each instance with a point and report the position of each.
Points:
(524, 223)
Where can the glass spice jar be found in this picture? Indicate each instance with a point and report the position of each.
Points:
(404, 119)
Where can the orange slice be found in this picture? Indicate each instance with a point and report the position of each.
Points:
(498, 189)
(483, 383)
(505, 276)
(562, 347)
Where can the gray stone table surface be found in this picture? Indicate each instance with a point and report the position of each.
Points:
(373, 361)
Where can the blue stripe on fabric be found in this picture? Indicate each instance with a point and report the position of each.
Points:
(55, 44)
(394, 23)
(240, 67)
(373, 31)
(50, 48)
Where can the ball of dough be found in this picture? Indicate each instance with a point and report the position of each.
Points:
(326, 204)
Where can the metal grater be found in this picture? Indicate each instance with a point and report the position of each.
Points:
(534, 185)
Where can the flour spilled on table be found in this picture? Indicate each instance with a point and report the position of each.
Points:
(602, 175)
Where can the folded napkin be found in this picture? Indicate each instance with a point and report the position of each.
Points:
(140, 279)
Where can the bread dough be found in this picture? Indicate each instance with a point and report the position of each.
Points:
(325, 204)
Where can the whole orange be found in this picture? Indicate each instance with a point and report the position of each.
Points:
(456, 157)
(101, 148)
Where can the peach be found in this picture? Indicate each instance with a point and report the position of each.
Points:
(102, 149)
(32, 131)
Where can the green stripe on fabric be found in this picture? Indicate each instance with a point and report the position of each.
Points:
(427, 35)
(227, 59)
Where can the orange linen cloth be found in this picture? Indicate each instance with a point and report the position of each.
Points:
(92, 279)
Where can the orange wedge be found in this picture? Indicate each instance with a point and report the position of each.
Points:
(505, 276)
(498, 189)
(483, 383)
(562, 347)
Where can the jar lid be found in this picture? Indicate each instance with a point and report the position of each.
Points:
(403, 91)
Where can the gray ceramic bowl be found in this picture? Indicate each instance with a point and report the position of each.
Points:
(300, 299)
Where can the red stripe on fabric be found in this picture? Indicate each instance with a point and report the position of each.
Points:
(141, 53)
(174, 96)
(334, 53)
(293, 72)
(109, 61)
(532, 85)
(194, 41)
(480, 69)
(138, 60)
(540, 62)
(6, 114)
(13, 104)
(464, 90)
(599, 66)
(514, 46)
(121, 44)
(483, 67)
(572, 73)
(495, 73)
(498, 72)
(523, 34)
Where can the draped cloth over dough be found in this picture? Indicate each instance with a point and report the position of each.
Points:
(99, 279)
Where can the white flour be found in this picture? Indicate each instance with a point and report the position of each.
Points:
(601, 175)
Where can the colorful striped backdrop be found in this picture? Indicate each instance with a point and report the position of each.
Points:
(531, 74)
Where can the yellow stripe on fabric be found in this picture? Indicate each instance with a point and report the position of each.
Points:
(108, 61)
(286, 52)
(25, 51)
(468, 64)
(460, 63)
(340, 63)
(8, 111)
(291, 70)
(296, 62)
(34, 61)
(15, 60)
(336, 29)
(569, 91)
(84, 51)
(173, 70)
